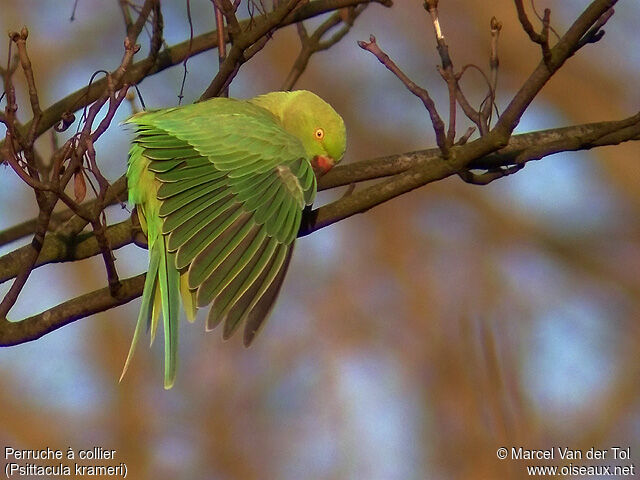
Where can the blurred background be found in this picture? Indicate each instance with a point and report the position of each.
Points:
(409, 342)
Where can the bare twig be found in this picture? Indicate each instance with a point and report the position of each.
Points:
(186, 58)
(222, 45)
(539, 17)
(47, 194)
(157, 31)
(243, 42)
(489, 176)
(487, 108)
(543, 72)
(126, 13)
(174, 56)
(464, 138)
(20, 39)
(421, 93)
(99, 229)
(46, 207)
(542, 38)
(446, 69)
(311, 44)
(32, 328)
(595, 33)
(406, 170)
(73, 12)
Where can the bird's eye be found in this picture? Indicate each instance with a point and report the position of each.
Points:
(319, 133)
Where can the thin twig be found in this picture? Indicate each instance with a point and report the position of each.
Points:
(222, 45)
(595, 33)
(20, 39)
(494, 63)
(126, 13)
(245, 44)
(429, 162)
(446, 69)
(421, 93)
(542, 38)
(311, 44)
(489, 176)
(186, 58)
(175, 55)
(559, 54)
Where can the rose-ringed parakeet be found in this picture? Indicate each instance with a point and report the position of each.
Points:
(220, 187)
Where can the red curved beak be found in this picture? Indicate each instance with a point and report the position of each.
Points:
(322, 164)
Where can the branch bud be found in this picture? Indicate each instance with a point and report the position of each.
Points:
(496, 25)
(430, 5)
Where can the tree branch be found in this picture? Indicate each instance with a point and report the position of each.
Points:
(498, 153)
(32, 328)
(242, 41)
(313, 43)
(173, 56)
(61, 246)
(415, 169)
(438, 125)
(136, 73)
(404, 171)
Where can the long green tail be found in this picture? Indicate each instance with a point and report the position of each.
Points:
(169, 281)
(163, 278)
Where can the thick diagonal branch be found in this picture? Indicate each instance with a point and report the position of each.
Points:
(405, 172)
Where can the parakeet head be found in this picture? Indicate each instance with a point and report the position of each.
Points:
(313, 121)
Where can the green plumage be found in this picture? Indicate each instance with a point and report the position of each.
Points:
(220, 188)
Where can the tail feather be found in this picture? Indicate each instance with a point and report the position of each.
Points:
(152, 325)
(145, 314)
(162, 286)
(188, 298)
(263, 306)
(169, 281)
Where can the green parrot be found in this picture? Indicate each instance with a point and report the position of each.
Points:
(220, 187)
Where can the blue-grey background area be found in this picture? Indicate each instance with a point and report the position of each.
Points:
(409, 342)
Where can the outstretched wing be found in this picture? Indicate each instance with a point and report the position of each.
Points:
(233, 185)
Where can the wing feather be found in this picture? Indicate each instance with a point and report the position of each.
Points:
(184, 173)
(233, 184)
(245, 303)
(230, 294)
(265, 212)
(232, 266)
(214, 254)
(187, 211)
(168, 153)
(165, 165)
(260, 311)
(196, 243)
(173, 188)
(216, 188)
(188, 229)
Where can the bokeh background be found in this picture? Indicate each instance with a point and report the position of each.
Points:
(409, 342)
